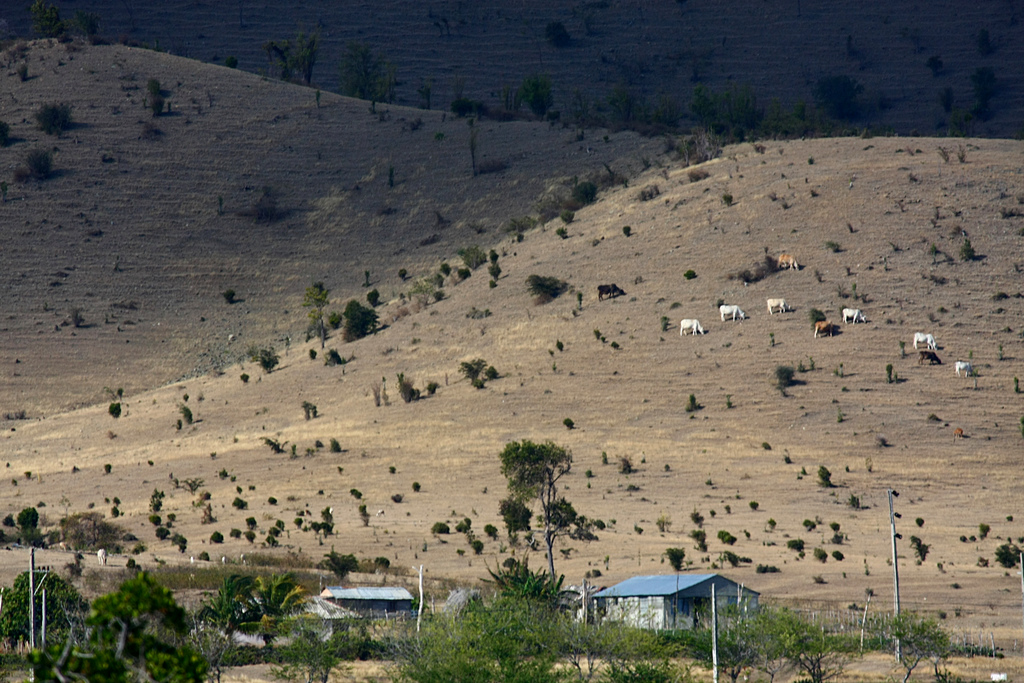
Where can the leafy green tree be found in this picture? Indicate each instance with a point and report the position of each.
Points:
(65, 608)
(265, 358)
(28, 526)
(769, 644)
(359, 320)
(128, 638)
(338, 564)
(366, 75)
(536, 93)
(296, 56)
(736, 649)
(317, 301)
(46, 19)
(920, 639)
(508, 641)
(675, 557)
(822, 656)
(311, 653)
(533, 471)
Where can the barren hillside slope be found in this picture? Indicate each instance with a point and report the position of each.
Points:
(147, 220)
(862, 212)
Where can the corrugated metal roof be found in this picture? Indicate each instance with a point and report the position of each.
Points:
(660, 585)
(366, 593)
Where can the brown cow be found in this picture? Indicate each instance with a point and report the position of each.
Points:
(788, 261)
(958, 434)
(824, 327)
(929, 356)
(610, 291)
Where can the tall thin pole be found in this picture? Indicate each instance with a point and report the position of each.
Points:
(895, 563)
(714, 632)
(32, 598)
(42, 640)
(419, 613)
(1021, 557)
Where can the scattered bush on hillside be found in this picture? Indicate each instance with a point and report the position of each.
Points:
(816, 316)
(5, 134)
(38, 164)
(359, 321)
(54, 119)
(46, 20)
(556, 34)
(231, 62)
(584, 192)
(545, 288)
(784, 377)
(473, 256)
(675, 558)
(763, 269)
(265, 358)
(440, 528)
(535, 92)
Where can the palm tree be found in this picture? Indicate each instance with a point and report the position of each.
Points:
(228, 609)
(273, 598)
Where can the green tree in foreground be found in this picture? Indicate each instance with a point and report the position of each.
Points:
(65, 608)
(122, 641)
(533, 471)
(920, 639)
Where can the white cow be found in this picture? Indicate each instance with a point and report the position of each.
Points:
(733, 310)
(853, 315)
(779, 304)
(926, 339)
(693, 326)
(101, 555)
(965, 366)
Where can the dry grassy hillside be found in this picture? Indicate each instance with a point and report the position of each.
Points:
(146, 221)
(883, 202)
(653, 49)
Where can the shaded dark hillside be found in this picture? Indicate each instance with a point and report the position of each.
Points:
(242, 183)
(651, 49)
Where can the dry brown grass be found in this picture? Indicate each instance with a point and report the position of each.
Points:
(625, 402)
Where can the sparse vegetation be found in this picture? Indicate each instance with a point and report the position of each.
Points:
(54, 119)
(545, 288)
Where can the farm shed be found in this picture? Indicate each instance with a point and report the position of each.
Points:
(378, 601)
(673, 601)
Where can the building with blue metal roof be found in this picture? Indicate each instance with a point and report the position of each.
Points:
(382, 601)
(670, 601)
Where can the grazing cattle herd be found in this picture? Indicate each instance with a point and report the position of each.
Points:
(821, 327)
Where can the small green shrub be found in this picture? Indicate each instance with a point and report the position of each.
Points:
(838, 556)
(825, 478)
(569, 424)
(784, 377)
(627, 230)
(563, 233)
(356, 493)
(335, 446)
(216, 537)
(38, 165)
(440, 528)
(373, 297)
(54, 119)
(727, 199)
(675, 557)
(692, 404)
(795, 544)
(545, 288)
(5, 134)
(265, 358)
(967, 251)
(239, 504)
(833, 247)
(162, 532)
(726, 538)
(114, 409)
(231, 62)
(585, 193)
(690, 274)
(820, 554)
(186, 414)
(754, 505)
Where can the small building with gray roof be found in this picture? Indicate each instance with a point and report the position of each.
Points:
(670, 601)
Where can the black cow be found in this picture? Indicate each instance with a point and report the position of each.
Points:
(610, 291)
(929, 356)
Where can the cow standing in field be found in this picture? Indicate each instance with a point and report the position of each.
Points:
(779, 304)
(101, 556)
(693, 326)
(608, 291)
(854, 315)
(930, 356)
(824, 327)
(926, 339)
(788, 261)
(731, 310)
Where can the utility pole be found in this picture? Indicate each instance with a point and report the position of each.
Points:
(893, 516)
(32, 598)
(714, 632)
